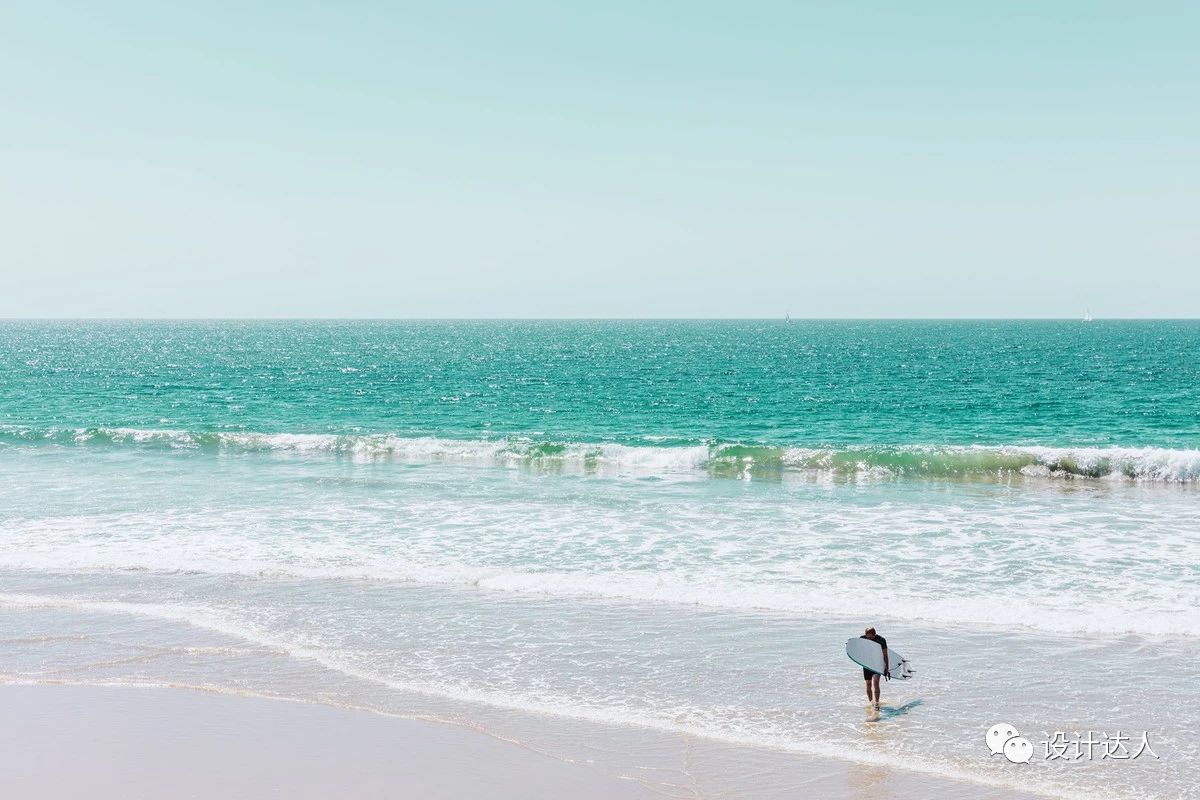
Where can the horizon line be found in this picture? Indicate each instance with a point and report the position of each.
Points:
(585, 319)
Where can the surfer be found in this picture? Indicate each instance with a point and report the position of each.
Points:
(872, 678)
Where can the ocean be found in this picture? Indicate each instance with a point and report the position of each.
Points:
(574, 531)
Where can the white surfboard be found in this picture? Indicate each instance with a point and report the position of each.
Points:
(869, 655)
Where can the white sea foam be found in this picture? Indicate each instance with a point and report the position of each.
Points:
(839, 598)
(722, 459)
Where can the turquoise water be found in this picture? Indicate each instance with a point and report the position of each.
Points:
(766, 395)
(665, 527)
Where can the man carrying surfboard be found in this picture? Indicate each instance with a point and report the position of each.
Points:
(872, 678)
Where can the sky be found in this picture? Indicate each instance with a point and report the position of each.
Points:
(616, 159)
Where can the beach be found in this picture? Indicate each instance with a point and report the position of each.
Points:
(600, 401)
(65, 742)
(600, 558)
(106, 742)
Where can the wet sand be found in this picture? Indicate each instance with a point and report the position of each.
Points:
(126, 742)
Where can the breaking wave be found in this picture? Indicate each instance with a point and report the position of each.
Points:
(713, 459)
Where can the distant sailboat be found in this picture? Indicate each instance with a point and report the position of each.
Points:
(1087, 316)
(787, 318)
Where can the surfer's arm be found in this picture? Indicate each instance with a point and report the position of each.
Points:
(887, 673)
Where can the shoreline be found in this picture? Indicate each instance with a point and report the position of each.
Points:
(133, 741)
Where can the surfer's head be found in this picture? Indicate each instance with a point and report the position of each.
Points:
(870, 633)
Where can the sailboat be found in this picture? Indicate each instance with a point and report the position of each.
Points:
(1087, 316)
(787, 318)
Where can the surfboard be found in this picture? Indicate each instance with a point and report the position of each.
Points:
(869, 655)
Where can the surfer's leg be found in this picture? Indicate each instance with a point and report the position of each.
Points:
(875, 680)
(867, 681)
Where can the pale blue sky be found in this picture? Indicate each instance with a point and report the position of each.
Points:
(604, 159)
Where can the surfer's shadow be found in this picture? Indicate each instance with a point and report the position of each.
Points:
(889, 712)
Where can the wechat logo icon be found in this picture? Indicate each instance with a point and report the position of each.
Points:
(1004, 738)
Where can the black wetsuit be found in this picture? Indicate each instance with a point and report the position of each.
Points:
(867, 674)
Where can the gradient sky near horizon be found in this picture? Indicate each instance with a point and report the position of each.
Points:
(548, 159)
